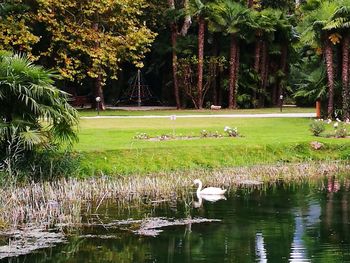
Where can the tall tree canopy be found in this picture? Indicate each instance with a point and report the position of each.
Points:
(81, 39)
(93, 41)
(88, 38)
(16, 32)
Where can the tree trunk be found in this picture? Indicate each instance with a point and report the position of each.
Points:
(218, 85)
(274, 94)
(174, 65)
(266, 75)
(284, 56)
(345, 76)
(174, 34)
(257, 56)
(235, 91)
(232, 73)
(215, 53)
(201, 24)
(330, 76)
(98, 92)
(263, 74)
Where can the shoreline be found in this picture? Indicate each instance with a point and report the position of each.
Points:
(62, 202)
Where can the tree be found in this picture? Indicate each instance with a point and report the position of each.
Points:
(341, 23)
(284, 39)
(187, 73)
(279, 4)
(230, 18)
(266, 22)
(174, 35)
(90, 39)
(317, 33)
(310, 79)
(199, 9)
(33, 114)
(16, 32)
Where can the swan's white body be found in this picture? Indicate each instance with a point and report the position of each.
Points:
(208, 190)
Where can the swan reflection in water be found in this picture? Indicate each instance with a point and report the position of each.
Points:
(209, 198)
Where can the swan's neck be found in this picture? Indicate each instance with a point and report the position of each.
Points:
(199, 188)
(200, 200)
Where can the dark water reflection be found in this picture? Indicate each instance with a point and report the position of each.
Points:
(283, 223)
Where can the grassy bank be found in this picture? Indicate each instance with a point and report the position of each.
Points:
(109, 146)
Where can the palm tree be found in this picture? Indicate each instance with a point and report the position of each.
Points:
(230, 18)
(33, 112)
(174, 36)
(341, 22)
(310, 80)
(284, 37)
(265, 25)
(199, 9)
(317, 33)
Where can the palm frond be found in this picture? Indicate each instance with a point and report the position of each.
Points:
(28, 94)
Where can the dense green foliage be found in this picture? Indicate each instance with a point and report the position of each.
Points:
(267, 49)
(194, 53)
(83, 40)
(35, 117)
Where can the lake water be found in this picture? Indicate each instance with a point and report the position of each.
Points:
(280, 223)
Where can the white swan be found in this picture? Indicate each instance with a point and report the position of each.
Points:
(208, 190)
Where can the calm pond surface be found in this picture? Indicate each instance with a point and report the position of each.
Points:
(281, 223)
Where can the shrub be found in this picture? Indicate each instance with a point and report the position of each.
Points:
(204, 133)
(317, 127)
(340, 130)
(41, 165)
(141, 136)
(231, 132)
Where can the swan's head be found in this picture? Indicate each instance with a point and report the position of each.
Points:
(197, 181)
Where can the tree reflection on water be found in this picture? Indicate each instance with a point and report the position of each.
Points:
(282, 223)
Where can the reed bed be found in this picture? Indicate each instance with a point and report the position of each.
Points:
(63, 202)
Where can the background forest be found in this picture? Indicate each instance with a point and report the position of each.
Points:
(192, 53)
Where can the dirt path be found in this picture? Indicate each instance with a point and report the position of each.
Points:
(264, 115)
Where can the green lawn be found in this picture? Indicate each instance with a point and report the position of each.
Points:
(89, 112)
(108, 145)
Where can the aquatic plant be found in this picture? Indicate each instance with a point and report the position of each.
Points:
(62, 202)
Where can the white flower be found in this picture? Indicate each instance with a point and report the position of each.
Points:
(227, 128)
(335, 125)
(329, 121)
(338, 120)
(347, 121)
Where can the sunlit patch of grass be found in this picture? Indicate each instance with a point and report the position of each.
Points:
(108, 145)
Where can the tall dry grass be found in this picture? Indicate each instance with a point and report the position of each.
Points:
(63, 201)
